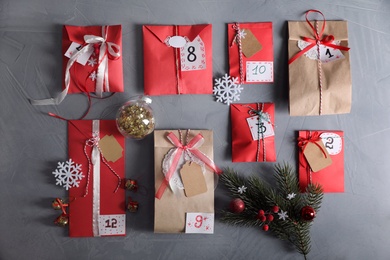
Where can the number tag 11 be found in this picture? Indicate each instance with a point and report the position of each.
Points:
(193, 55)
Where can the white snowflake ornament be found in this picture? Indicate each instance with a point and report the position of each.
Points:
(283, 215)
(241, 189)
(68, 174)
(92, 62)
(291, 196)
(93, 76)
(227, 89)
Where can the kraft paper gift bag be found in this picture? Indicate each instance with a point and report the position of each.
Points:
(319, 86)
(173, 152)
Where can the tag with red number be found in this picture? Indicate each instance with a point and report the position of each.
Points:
(112, 225)
(83, 58)
(200, 223)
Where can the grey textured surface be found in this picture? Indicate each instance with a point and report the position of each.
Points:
(352, 225)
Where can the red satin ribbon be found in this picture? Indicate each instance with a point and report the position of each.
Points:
(180, 149)
(62, 205)
(318, 37)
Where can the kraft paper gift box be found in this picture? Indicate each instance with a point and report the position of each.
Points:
(321, 159)
(251, 52)
(319, 88)
(172, 203)
(177, 59)
(92, 61)
(253, 136)
(97, 205)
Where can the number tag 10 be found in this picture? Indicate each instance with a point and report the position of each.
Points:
(259, 71)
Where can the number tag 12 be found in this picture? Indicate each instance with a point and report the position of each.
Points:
(112, 225)
(193, 55)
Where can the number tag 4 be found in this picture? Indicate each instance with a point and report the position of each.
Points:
(259, 129)
(193, 55)
(259, 71)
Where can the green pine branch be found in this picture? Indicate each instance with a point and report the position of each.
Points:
(287, 196)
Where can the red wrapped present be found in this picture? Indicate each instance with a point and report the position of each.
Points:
(321, 159)
(253, 136)
(251, 52)
(92, 61)
(97, 206)
(177, 59)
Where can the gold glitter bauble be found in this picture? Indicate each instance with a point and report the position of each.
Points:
(135, 118)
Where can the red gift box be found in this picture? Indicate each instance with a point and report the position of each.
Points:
(97, 205)
(331, 178)
(253, 137)
(80, 75)
(177, 59)
(257, 54)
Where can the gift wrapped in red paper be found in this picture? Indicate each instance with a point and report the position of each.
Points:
(253, 136)
(97, 205)
(177, 59)
(321, 159)
(251, 52)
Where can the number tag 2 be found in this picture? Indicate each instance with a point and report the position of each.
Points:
(332, 142)
(199, 223)
(193, 55)
(112, 225)
(259, 130)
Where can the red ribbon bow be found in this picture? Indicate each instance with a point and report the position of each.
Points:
(314, 138)
(318, 38)
(180, 149)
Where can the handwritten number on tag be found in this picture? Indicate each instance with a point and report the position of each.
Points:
(191, 54)
(79, 48)
(259, 70)
(261, 128)
(328, 53)
(112, 224)
(199, 221)
(329, 143)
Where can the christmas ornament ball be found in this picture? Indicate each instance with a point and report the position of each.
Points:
(266, 228)
(62, 220)
(237, 205)
(308, 213)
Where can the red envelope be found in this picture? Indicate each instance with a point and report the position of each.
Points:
(102, 211)
(258, 66)
(80, 75)
(185, 70)
(331, 178)
(253, 140)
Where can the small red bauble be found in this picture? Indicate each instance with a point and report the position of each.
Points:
(237, 205)
(263, 218)
(265, 227)
(261, 213)
(308, 213)
(275, 209)
(270, 217)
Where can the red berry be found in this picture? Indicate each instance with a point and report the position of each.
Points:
(263, 218)
(275, 209)
(237, 205)
(265, 227)
(270, 217)
(261, 213)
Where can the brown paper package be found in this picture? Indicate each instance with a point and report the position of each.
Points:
(304, 77)
(170, 211)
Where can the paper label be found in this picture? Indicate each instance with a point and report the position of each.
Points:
(327, 54)
(260, 129)
(177, 41)
(193, 55)
(112, 225)
(82, 58)
(259, 71)
(193, 179)
(250, 44)
(332, 142)
(317, 156)
(111, 149)
(200, 223)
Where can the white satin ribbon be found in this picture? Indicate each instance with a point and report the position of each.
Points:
(102, 71)
(96, 181)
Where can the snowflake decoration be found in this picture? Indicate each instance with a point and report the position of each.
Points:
(227, 89)
(242, 34)
(283, 215)
(291, 196)
(92, 62)
(93, 76)
(241, 189)
(68, 174)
